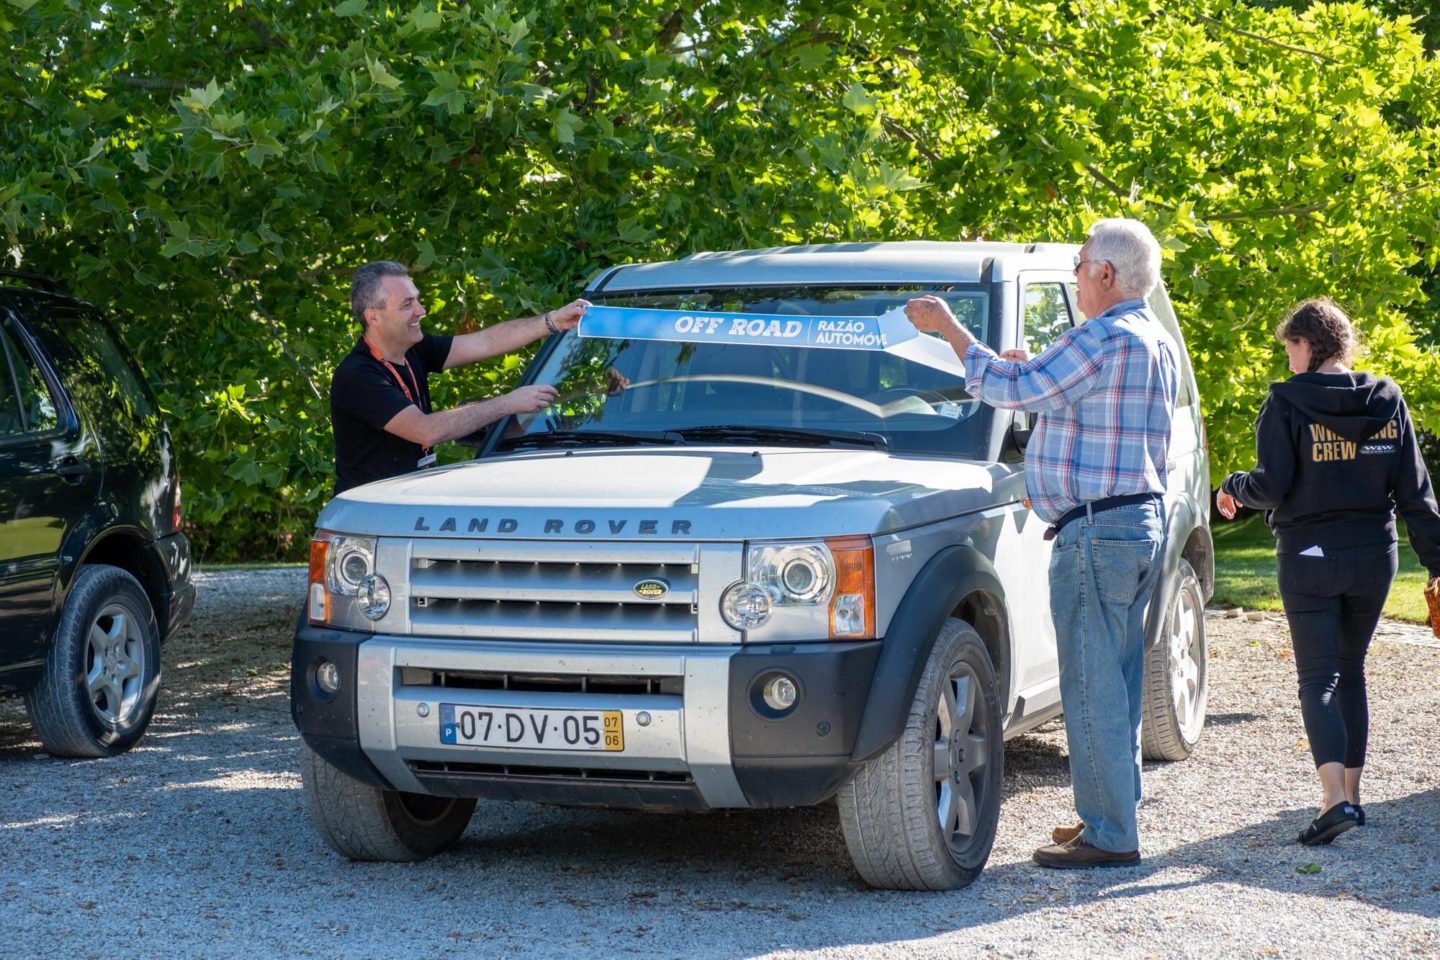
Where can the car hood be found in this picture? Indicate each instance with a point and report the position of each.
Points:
(694, 493)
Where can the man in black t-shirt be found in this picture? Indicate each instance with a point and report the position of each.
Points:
(380, 398)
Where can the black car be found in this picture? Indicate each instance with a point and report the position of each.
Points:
(94, 571)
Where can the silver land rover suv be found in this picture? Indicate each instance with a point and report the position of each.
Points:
(730, 569)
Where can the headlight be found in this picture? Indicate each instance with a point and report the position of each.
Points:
(805, 591)
(345, 589)
(374, 596)
(352, 559)
(745, 606)
(800, 573)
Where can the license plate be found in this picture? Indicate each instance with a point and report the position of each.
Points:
(524, 728)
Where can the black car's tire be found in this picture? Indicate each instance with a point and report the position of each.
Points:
(362, 822)
(921, 814)
(1175, 667)
(102, 672)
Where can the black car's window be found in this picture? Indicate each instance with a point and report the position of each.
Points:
(26, 404)
(96, 370)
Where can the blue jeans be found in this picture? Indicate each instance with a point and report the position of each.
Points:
(1102, 574)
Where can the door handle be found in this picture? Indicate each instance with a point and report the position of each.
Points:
(72, 469)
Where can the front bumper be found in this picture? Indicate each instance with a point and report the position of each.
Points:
(703, 744)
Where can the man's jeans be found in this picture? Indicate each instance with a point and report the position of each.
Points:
(1102, 573)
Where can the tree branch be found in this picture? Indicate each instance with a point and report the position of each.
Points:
(1299, 210)
(159, 83)
(1266, 40)
(674, 23)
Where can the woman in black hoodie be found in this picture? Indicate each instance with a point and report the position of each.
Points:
(1336, 457)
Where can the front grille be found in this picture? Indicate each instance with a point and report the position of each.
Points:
(562, 591)
(543, 683)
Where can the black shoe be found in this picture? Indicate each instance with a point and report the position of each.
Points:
(1359, 815)
(1330, 825)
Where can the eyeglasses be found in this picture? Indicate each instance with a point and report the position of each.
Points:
(1080, 263)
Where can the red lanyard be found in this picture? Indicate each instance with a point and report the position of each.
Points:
(396, 374)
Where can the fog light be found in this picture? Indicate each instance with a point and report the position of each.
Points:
(327, 677)
(779, 693)
(374, 596)
(745, 606)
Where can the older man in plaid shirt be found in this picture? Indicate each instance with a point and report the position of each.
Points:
(1095, 469)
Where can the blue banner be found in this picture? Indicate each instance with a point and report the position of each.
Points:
(759, 329)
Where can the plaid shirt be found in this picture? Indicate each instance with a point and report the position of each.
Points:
(1105, 394)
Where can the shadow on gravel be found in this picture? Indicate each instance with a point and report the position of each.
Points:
(1392, 862)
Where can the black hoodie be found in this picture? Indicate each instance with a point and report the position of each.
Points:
(1335, 458)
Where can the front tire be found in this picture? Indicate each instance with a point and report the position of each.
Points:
(102, 672)
(362, 822)
(1175, 682)
(921, 814)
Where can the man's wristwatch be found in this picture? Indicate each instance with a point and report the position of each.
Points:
(550, 324)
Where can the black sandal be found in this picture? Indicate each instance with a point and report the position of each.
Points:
(1330, 824)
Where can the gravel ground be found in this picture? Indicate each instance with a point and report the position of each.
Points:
(196, 844)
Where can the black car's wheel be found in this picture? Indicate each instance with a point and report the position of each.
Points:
(363, 822)
(1175, 693)
(102, 673)
(921, 814)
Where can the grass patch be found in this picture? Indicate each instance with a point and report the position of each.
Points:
(1245, 571)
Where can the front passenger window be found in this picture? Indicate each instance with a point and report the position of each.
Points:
(26, 405)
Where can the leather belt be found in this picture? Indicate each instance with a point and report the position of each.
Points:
(1098, 506)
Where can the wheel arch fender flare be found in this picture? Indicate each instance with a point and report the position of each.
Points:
(1181, 528)
(132, 549)
(943, 584)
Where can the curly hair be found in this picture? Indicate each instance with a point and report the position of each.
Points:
(1324, 326)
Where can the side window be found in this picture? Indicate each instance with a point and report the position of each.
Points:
(98, 374)
(1045, 315)
(26, 404)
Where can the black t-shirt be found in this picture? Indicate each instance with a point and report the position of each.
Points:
(364, 396)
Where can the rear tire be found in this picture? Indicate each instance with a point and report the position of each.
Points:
(921, 814)
(1175, 666)
(102, 672)
(362, 822)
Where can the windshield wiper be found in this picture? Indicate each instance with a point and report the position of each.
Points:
(783, 436)
(585, 438)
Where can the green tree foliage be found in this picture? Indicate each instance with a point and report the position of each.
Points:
(211, 172)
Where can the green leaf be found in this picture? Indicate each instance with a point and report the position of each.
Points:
(1308, 868)
(381, 76)
(201, 99)
(857, 100)
(350, 8)
(424, 18)
(565, 125)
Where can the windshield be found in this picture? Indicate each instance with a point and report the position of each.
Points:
(907, 400)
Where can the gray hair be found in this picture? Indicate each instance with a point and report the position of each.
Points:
(1132, 251)
(365, 289)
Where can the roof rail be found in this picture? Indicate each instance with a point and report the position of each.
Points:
(43, 282)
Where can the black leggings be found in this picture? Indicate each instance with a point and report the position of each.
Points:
(1333, 604)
